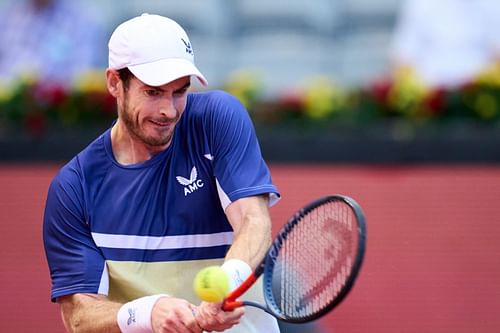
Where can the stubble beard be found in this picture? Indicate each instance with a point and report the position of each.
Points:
(134, 128)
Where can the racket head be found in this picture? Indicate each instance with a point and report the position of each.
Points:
(315, 259)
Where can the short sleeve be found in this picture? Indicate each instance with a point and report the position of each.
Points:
(76, 264)
(239, 168)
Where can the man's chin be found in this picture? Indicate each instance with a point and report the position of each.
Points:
(157, 142)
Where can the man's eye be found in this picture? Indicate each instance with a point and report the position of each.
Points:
(181, 92)
(152, 92)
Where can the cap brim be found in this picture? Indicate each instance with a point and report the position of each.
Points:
(163, 71)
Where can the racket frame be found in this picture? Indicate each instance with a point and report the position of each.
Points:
(267, 265)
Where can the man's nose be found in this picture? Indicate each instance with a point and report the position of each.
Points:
(167, 109)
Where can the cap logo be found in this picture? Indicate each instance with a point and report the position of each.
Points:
(189, 48)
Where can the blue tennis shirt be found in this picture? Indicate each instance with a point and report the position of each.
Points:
(147, 228)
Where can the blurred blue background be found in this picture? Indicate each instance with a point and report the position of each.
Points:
(285, 42)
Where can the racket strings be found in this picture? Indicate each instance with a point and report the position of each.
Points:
(316, 259)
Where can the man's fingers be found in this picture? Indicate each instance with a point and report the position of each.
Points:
(211, 317)
(172, 315)
(231, 316)
(193, 323)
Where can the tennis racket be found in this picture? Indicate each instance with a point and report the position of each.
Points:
(313, 262)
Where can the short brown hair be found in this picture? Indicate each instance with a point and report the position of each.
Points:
(125, 75)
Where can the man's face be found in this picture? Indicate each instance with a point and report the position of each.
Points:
(151, 113)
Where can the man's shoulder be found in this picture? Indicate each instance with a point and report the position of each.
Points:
(212, 100)
(214, 107)
(90, 158)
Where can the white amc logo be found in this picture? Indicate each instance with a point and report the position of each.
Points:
(192, 184)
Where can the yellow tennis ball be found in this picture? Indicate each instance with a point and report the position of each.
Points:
(211, 284)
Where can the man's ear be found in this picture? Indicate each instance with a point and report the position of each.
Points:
(113, 82)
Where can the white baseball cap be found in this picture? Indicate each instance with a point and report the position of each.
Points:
(155, 49)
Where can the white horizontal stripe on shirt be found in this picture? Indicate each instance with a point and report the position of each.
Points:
(162, 242)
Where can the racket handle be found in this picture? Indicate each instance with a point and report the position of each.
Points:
(231, 305)
(231, 302)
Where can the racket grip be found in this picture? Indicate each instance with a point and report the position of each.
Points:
(231, 302)
(231, 305)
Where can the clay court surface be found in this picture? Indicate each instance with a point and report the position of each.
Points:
(432, 261)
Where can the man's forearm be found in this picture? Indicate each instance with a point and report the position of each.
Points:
(89, 313)
(252, 231)
(251, 244)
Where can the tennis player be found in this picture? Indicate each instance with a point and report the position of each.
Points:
(176, 184)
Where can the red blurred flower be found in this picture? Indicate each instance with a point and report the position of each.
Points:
(435, 101)
(50, 94)
(380, 90)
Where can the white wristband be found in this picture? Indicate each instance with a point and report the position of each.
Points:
(237, 270)
(135, 316)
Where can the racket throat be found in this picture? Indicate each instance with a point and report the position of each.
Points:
(260, 306)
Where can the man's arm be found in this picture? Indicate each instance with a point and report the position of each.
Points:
(95, 313)
(251, 223)
(89, 313)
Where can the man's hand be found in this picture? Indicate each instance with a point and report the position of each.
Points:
(212, 318)
(174, 315)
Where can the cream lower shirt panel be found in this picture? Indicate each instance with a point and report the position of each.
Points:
(129, 280)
